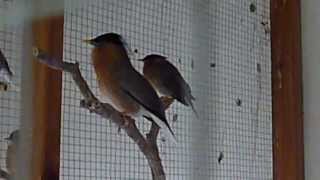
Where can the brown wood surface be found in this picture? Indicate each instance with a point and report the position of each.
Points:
(288, 153)
(47, 35)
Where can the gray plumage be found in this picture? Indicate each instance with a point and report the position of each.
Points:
(167, 80)
(11, 154)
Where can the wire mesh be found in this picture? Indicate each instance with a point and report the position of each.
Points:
(222, 48)
(11, 45)
(242, 79)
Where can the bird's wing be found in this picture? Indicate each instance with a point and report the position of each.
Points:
(4, 174)
(5, 72)
(173, 80)
(4, 63)
(141, 91)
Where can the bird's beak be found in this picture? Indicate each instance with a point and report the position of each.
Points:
(7, 138)
(88, 41)
(142, 60)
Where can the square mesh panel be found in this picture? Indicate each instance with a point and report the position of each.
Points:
(11, 43)
(222, 49)
(241, 76)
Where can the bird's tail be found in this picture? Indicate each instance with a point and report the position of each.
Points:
(4, 174)
(188, 99)
(194, 109)
(165, 127)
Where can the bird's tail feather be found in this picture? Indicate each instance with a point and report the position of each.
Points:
(165, 128)
(194, 109)
(4, 174)
(188, 99)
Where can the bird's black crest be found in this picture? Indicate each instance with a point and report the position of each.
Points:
(14, 136)
(109, 38)
(153, 57)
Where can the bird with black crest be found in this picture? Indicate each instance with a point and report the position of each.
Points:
(121, 85)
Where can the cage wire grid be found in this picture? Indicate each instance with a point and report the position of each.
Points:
(11, 44)
(222, 49)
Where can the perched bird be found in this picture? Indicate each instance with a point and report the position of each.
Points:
(167, 80)
(5, 72)
(122, 85)
(12, 150)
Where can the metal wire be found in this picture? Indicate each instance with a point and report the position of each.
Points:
(222, 48)
(11, 45)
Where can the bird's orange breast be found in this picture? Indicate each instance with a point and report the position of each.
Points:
(153, 75)
(108, 66)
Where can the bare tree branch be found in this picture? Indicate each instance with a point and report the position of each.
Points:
(148, 146)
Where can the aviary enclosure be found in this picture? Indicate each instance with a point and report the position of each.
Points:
(241, 59)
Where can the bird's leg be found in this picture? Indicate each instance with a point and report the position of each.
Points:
(167, 101)
(123, 116)
(91, 104)
(126, 123)
(95, 105)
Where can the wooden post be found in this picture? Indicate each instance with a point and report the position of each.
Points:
(287, 90)
(48, 35)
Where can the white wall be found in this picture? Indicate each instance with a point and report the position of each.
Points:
(311, 86)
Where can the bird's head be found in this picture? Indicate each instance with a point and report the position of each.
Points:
(13, 137)
(106, 38)
(152, 58)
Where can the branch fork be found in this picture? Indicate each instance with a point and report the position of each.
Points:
(147, 145)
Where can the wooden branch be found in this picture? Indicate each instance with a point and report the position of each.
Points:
(155, 129)
(148, 146)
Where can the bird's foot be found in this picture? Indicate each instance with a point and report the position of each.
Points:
(91, 105)
(95, 105)
(126, 119)
(167, 101)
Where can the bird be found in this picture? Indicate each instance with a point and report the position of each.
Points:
(11, 154)
(167, 80)
(5, 71)
(121, 85)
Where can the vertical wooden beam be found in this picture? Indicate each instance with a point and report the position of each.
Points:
(47, 35)
(288, 145)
